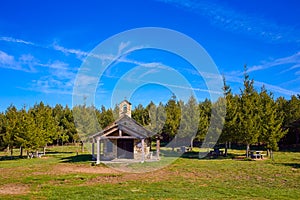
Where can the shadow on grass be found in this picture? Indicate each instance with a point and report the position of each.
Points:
(293, 165)
(77, 158)
(12, 157)
(59, 152)
(195, 155)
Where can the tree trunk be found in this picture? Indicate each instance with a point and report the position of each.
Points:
(37, 153)
(173, 145)
(271, 154)
(21, 151)
(226, 148)
(247, 150)
(268, 152)
(192, 145)
(82, 147)
(11, 152)
(44, 150)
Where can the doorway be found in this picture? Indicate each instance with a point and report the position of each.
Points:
(125, 148)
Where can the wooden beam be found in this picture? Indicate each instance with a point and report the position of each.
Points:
(119, 137)
(110, 131)
(132, 132)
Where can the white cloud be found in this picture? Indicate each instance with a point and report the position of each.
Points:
(122, 46)
(293, 59)
(6, 60)
(275, 88)
(80, 54)
(10, 39)
(233, 20)
(259, 84)
(21, 64)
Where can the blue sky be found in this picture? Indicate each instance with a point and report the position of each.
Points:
(43, 44)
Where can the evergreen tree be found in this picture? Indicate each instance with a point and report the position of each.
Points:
(292, 117)
(217, 119)
(272, 120)
(189, 121)
(69, 125)
(116, 112)
(2, 131)
(229, 128)
(45, 125)
(105, 117)
(58, 114)
(11, 129)
(204, 119)
(248, 118)
(141, 115)
(86, 122)
(157, 117)
(173, 114)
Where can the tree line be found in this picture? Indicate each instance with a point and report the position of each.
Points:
(251, 117)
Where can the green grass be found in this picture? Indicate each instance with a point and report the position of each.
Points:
(186, 178)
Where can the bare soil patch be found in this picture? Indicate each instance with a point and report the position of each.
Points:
(14, 189)
(73, 168)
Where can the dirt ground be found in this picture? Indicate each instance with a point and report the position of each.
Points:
(106, 175)
(13, 189)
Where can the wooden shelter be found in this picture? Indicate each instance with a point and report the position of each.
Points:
(123, 139)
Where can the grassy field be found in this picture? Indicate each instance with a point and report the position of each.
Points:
(63, 175)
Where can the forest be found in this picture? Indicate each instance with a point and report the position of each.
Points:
(252, 118)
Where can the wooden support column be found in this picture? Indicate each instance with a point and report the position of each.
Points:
(157, 148)
(93, 148)
(143, 150)
(98, 150)
(120, 132)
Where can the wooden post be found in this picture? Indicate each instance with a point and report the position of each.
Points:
(157, 148)
(93, 148)
(98, 150)
(143, 150)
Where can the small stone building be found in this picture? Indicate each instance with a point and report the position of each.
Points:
(123, 139)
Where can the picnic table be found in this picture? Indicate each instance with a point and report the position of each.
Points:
(184, 149)
(216, 152)
(257, 154)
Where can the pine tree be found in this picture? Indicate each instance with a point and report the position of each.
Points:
(248, 118)
(86, 122)
(105, 117)
(204, 119)
(292, 116)
(11, 132)
(172, 123)
(217, 119)
(141, 115)
(189, 122)
(229, 128)
(272, 121)
(2, 130)
(157, 117)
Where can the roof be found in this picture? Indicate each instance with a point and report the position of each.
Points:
(125, 101)
(126, 125)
